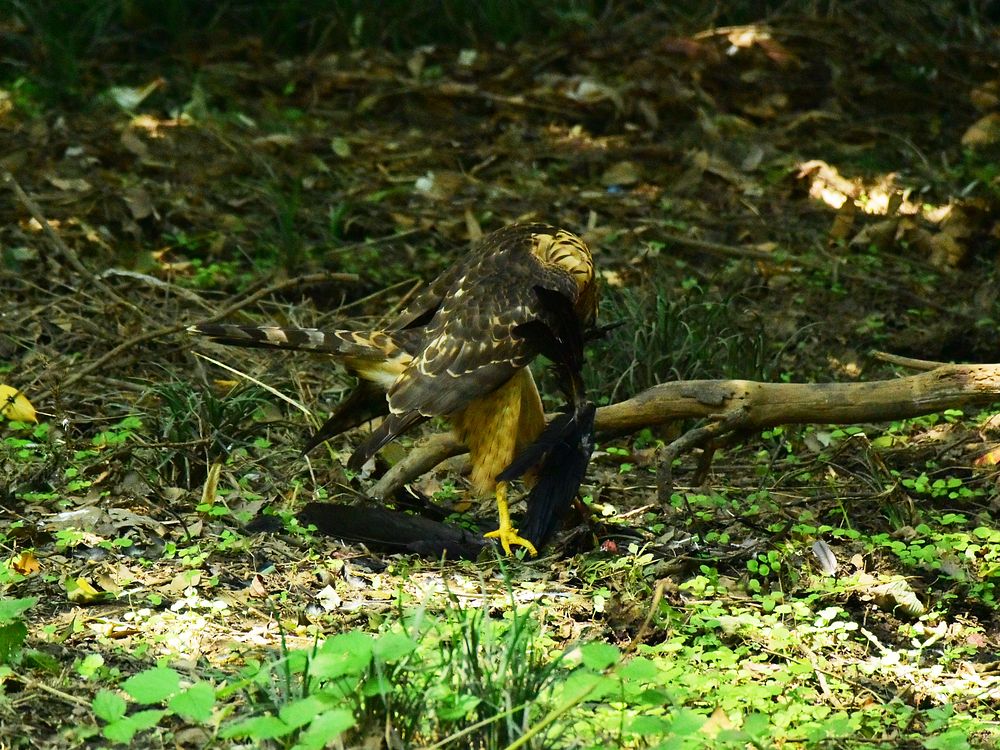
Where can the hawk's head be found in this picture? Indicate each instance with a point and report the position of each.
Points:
(569, 253)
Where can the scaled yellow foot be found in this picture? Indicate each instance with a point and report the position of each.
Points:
(507, 534)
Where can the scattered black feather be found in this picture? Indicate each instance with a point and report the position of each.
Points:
(562, 452)
(388, 530)
(599, 332)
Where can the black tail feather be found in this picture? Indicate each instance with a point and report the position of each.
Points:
(563, 453)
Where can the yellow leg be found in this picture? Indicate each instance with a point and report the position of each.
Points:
(507, 534)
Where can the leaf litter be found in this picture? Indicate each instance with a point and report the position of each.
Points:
(804, 140)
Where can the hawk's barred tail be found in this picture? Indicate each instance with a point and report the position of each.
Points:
(377, 345)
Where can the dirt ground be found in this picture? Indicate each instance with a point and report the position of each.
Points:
(769, 202)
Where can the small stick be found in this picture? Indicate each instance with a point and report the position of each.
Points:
(178, 327)
(910, 362)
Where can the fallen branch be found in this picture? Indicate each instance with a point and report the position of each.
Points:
(418, 461)
(750, 406)
(772, 404)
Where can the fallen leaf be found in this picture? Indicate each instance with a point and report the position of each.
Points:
(897, 597)
(990, 458)
(81, 591)
(880, 235)
(26, 564)
(132, 143)
(140, 205)
(717, 722)
(14, 405)
(130, 97)
(983, 132)
(945, 251)
(257, 587)
(278, 140)
(843, 221)
(622, 173)
(472, 225)
(340, 147)
(108, 583)
(74, 184)
(986, 97)
(181, 582)
(439, 185)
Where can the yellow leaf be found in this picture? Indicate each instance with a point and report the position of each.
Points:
(208, 490)
(990, 458)
(82, 591)
(26, 564)
(13, 405)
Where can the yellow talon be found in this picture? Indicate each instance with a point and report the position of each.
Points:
(509, 537)
(507, 534)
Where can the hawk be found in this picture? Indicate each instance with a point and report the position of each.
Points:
(460, 350)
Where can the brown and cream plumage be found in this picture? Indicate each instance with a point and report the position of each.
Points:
(460, 351)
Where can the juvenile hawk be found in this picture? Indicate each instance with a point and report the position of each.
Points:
(460, 351)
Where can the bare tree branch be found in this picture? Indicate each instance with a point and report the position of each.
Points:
(748, 405)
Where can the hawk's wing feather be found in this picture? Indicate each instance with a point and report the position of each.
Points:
(425, 305)
(366, 402)
(390, 428)
(472, 345)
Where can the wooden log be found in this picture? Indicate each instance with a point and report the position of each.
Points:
(771, 404)
(758, 406)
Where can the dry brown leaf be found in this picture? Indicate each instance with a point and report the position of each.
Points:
(72, 184)
(132, 143)
(472, 225)
(440, 185)
(897, 597)
(622, 173)
(881, 235)
(983, 132)
(843, 222)
(106, 582)
(278, 140)
(257, 588)
(140, 205)
(986, 97)
(946, 251)
(917, 238)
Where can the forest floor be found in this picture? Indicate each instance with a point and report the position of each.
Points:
(768, 202)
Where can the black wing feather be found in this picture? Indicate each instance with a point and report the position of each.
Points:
(563, 450)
